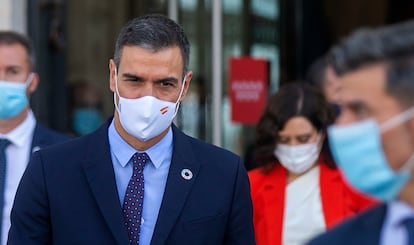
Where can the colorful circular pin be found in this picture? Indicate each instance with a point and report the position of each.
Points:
(186, 174)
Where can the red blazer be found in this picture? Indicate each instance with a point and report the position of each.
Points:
(268, 196)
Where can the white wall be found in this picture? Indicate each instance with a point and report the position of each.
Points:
(13, 15)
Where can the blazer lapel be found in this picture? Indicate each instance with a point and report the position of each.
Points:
(177, 187)
(370, 228)
(332, 195)
(273, 195)
(38, 139)
(101, 178)
(43, 137)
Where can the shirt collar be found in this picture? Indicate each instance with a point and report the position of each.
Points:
(398, 211)
(124, 151)
(23, 132)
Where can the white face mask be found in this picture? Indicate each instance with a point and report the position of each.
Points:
(145, 117)
(298, 158)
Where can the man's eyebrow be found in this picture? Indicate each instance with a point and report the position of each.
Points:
(138, 78)
(167, 79)
(15, 67)
(356, 104)
(132, 77)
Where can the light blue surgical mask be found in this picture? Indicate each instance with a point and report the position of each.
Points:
(86, 120)
(13, 98)
(357, 150)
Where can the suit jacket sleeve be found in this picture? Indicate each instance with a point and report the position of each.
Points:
(240, 227)
(30, 221)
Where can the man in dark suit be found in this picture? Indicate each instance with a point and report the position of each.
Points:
(138, 179)
(373, 139)
(20, 134)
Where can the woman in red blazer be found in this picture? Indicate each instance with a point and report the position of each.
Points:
(297, 191)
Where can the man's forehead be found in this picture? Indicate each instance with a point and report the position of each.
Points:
(368, 80)
(364, 90)
(19, 53)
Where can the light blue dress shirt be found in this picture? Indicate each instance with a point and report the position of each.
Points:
(393, 232)
(155, 176)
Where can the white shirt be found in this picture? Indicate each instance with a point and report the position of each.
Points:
(393, 232)
(303, 214)
(17, 155)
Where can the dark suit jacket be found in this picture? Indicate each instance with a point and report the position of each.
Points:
(363, 229)
(68, 195)
(43, 137)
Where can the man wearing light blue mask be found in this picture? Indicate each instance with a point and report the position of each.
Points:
(86, 108)
(20, 134)
(373, 139)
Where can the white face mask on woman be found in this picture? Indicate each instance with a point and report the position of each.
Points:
(298, 158)
(145, 117)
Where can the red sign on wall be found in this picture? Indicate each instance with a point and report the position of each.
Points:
(248, 86)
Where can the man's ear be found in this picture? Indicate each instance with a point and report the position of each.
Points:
(112, 75)
(411, 123)
(187, 84)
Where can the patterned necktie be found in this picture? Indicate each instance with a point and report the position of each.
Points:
(3, 145)
(134, 197)
(409, 225)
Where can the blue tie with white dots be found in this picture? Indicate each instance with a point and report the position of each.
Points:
(134, 197)
(3, 145)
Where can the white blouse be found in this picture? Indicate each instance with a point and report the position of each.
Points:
(303, 214)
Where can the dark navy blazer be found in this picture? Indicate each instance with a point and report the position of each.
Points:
(68, 195)
(43, 137)
(363, 229)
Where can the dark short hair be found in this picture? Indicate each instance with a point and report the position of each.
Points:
(12, 37)
(367, 46)
(153, 32)
(391, 45)
(291, 100)
(400, 80)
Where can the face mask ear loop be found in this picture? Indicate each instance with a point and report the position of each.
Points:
(408, 165)
(116, 89)
(29, 79)
(179, 97)
(395, 121)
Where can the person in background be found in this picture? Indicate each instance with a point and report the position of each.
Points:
(373, 137)
(85, 107)
(297, 191)
(20, 133)
(322, 75)
(138, 179)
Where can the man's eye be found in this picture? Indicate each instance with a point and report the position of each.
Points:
(13, 71)
(283, 140)
(361, 112)
(131, 79)
(166, 84)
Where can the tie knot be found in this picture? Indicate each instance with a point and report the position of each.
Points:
(4, 143)
(139, 160)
